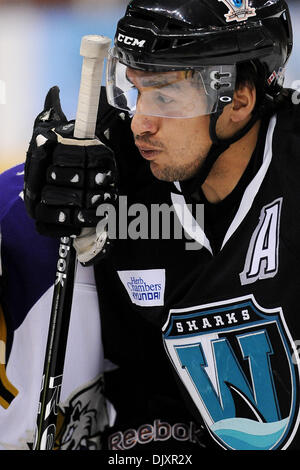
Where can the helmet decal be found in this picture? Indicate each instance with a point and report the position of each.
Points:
(239, 10)
(131, 41)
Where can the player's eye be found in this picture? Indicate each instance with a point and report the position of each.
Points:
(164, 99)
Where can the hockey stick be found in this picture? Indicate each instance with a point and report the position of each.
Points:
(94, 50)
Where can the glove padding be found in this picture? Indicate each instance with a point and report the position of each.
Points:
(66, 179)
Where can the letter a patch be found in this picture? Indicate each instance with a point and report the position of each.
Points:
(262, 256)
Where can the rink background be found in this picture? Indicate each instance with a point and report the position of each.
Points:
(39, 48)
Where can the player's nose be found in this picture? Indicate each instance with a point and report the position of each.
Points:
(142, 124)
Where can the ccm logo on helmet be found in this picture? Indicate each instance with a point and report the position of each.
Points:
(131, 41)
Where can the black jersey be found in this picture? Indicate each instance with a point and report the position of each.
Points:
(205, 334)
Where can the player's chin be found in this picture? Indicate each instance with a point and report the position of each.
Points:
(171, 174)
(161, 173)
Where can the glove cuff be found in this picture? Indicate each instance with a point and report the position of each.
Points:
(89, 245)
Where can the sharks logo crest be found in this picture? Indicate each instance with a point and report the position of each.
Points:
(239, 10)
(240, 366)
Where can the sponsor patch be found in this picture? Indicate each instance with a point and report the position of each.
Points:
(145, 288)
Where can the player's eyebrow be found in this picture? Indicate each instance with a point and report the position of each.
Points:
(160, 83)
(155, 82)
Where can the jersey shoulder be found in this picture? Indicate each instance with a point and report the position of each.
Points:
(11, 187)
(286, 138)
(288, 116)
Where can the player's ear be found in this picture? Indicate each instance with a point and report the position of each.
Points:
(244, 100)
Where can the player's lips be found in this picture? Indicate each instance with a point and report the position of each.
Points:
(148, 153)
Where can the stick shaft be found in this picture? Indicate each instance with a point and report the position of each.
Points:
(88, 104)
(94, 49)
(56, 346)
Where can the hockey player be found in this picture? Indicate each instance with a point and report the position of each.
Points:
(204, 333)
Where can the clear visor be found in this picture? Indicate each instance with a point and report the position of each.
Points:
(171, 94)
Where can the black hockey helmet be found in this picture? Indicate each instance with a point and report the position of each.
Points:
(160, 35)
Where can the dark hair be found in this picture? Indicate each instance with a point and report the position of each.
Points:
(252, 74)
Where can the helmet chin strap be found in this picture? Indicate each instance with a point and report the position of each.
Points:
(219, 146)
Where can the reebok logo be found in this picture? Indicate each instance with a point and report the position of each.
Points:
(131, 41)
(145, 288)
(62, 263)
(158, 431)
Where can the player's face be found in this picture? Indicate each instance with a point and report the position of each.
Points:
(175, 147)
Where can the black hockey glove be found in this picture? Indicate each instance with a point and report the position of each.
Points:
(67, 179)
